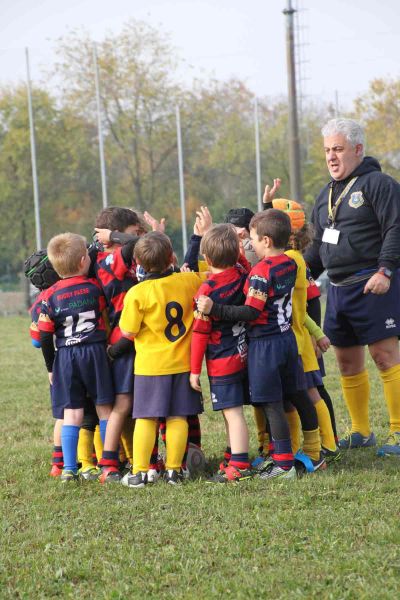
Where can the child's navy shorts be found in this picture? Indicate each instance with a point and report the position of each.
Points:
(165, 396)
(80, 371)
(122, 373)
(230, 391)
(313, 379)
(353, 318)
(272, 367)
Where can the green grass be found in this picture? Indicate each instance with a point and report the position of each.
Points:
(331, 535)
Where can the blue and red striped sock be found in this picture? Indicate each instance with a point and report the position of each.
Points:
(240, 461)
(57, 457)
(194, 435)
(109, 459)
(282, 454)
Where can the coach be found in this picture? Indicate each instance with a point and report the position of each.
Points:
(356, 219)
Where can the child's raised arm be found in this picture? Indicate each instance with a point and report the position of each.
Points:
(269, 193)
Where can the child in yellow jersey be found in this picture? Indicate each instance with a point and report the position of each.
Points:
(158, 315)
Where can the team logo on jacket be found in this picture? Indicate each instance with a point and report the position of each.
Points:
(356, 200)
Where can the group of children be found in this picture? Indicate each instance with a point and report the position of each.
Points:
(124, 331)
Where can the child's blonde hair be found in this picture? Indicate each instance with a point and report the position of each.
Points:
(65, 252)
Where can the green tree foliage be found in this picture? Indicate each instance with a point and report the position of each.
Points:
(379, 110)
(65, 164)
(140, 89)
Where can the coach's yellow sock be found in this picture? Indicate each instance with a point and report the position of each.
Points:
(85, 448)
(261, 424)
(143, 442)
(391, 389)
(294, 423)
(98, 444)
(312, 443)
(176, 440)
(325, 426)
(356, 391)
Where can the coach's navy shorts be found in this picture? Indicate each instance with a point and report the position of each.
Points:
(165, 396)
(229, 391)
(272, 367)
(356, 319)
(81, 371)
(122, 373)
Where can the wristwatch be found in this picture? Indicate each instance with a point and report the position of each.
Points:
(386, 272)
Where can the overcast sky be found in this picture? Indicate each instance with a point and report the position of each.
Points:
(348, 42)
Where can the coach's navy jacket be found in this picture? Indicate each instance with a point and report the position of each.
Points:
(368, 219)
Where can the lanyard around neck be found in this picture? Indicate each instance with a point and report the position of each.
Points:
(332, 210)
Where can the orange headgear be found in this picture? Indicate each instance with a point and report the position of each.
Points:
(293, 209)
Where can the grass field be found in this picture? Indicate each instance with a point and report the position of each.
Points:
(331, 535)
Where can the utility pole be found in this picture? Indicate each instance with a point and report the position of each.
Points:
(294, 142)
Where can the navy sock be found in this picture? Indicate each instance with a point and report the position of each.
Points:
(69, 442)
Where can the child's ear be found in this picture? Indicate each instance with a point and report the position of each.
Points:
(207, 260)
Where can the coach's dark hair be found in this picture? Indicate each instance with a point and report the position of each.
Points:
(221, 246)
(274, 224)
(154, 252)
(116, 218)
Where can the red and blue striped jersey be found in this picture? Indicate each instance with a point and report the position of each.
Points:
(34, 312)
(269, 288)
(115, 278)
(73, 312)
(222, 342)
